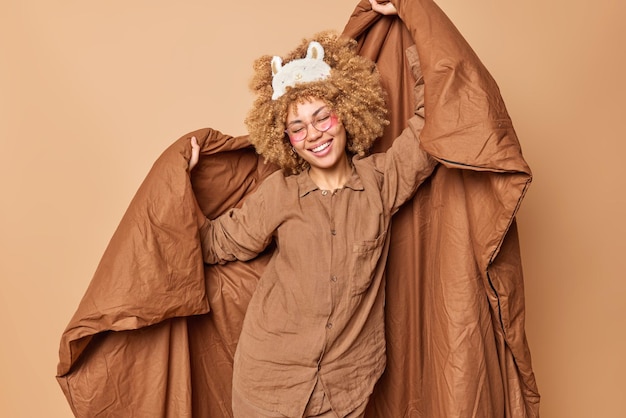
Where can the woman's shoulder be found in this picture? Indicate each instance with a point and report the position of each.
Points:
(279, 183)
(372, 163)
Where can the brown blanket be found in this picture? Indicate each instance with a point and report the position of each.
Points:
(156, 330)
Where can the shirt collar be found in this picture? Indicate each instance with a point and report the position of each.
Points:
(306, 185)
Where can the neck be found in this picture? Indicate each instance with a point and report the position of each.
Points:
(332, 178)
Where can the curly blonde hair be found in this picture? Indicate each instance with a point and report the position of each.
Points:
(353, 91)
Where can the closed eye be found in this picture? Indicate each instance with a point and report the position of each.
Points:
(323, 118)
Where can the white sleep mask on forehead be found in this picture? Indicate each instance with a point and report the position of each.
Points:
(303, 70)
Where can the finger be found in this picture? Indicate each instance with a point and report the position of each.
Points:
(195, 153)
(385, 8)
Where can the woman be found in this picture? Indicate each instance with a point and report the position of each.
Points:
(313, 340)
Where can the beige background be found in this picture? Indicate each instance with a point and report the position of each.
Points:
(91, 92)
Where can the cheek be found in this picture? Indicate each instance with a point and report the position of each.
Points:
(337, 130)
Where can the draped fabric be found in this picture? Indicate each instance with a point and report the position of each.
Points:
(455, 313)
(156, 330)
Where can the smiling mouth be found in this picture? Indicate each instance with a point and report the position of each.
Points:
(321, 147)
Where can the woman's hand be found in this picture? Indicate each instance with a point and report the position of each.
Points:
(384, 9)
(195, 153)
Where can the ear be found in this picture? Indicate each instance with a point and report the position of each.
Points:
(315, 51)
(277, 64)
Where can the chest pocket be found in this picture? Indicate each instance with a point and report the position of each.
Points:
(365, 256)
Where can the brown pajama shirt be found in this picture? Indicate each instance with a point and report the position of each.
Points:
(318, 310)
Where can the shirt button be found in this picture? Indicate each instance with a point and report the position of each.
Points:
(333, 278)
(329, 325)
(324, 192)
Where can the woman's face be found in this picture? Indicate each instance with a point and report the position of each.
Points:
(316, 134)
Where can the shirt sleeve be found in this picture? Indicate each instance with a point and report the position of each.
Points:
(240, 233)
(405, 165)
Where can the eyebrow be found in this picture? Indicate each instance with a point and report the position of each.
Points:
(314, 115)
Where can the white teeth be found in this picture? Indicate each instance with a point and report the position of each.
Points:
(321, 147)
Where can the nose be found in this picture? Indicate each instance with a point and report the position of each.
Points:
(312, 133)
